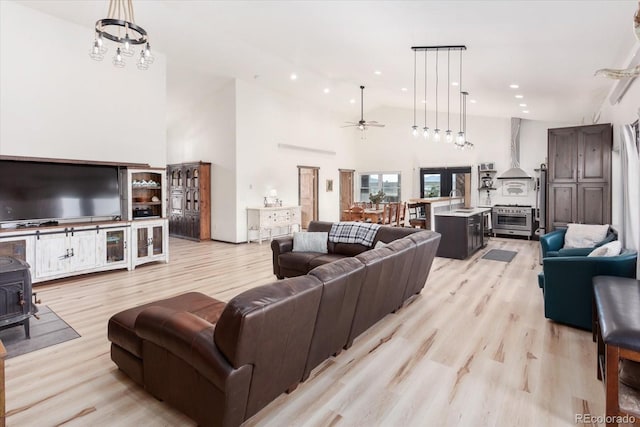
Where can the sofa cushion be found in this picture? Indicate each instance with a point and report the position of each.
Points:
(310, 242)
(324, 259)
(584, 235)
(121, 326)
(610, 249)
(348, 249)
(297, 261)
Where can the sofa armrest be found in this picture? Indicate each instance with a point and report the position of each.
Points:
(574, 252)
(189, 338)
(553, 241)
(280, 245)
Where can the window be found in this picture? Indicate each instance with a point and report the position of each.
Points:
(389, 183)
(439, 182)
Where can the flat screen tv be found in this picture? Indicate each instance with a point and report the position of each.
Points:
(36, 191)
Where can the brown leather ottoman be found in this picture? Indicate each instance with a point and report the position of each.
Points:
(126, 346)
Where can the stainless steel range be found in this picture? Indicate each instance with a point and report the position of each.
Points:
(515, 220)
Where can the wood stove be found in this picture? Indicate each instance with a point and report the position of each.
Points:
(16, 305)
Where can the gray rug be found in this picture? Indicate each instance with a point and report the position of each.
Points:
(47, 331)
(500, 255)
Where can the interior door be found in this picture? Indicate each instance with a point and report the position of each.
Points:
(308, 193)
(346, 192)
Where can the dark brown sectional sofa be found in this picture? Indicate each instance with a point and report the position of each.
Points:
(221, 363)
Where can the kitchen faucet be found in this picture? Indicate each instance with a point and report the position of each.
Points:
(451, 193)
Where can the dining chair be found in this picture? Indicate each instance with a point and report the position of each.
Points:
(356, 213)
(386, 215)
(400, 214)
(417, 217)
(393, 214)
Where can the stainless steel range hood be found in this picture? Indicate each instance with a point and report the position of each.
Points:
(515, 172)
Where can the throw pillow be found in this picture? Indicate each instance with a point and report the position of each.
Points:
(380, 244)
(584, 235)
(610, 249)
(310, 241)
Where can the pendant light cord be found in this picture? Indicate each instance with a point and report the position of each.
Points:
(415, 53)
(448, 86)
(425, 88)
(437, 52)
(461, 90)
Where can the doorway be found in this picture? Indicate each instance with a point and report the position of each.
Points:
(308, 193)
(346, 192)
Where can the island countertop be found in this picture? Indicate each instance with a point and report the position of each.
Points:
(462, 212)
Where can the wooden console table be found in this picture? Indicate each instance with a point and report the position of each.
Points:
(263, 221)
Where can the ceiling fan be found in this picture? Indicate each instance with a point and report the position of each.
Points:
(363, 124)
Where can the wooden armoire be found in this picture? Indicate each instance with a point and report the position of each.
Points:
(189, 187)
(579, 175)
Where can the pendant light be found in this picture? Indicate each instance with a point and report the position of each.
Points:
(461, 137)
(449, 135)
(414, 128)
(436, 131)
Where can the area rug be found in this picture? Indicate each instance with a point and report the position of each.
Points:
(500, 255)
(49, 330)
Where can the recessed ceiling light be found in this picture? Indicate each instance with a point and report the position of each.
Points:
(473, 101)
(523, 105)
(424, 101)
(353, 101)
(326, 90)
(454, 83)
(519, 96)
(377, 72)
(525, 111)
(404, 89)
(514, 86)
(293, 76)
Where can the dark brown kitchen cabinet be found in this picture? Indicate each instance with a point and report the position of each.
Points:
(190, 200)
(579, 175)
(563, 204)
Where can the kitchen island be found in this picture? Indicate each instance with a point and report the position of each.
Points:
(462, 231)
(436, 204)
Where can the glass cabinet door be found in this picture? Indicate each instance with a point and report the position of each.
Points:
(157, 240)
(143, 242)
(115, 246)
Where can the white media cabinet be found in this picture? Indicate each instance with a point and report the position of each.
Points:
(69, 249)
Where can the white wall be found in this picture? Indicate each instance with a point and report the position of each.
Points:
(625, 112)
(393, 149)
(57, 102)
(205, 130)
(265, 119)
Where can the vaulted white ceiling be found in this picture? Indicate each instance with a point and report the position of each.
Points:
(549, 48)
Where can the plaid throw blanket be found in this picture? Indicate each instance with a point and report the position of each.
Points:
(353, 232)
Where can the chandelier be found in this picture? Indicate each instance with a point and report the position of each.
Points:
(120, 27)
(461, 141)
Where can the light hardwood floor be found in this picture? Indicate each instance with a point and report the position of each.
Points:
(473, 349)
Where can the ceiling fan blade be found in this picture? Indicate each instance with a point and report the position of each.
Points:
(377, 125)
(372, 121)
(352, 123)
(350, 126)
